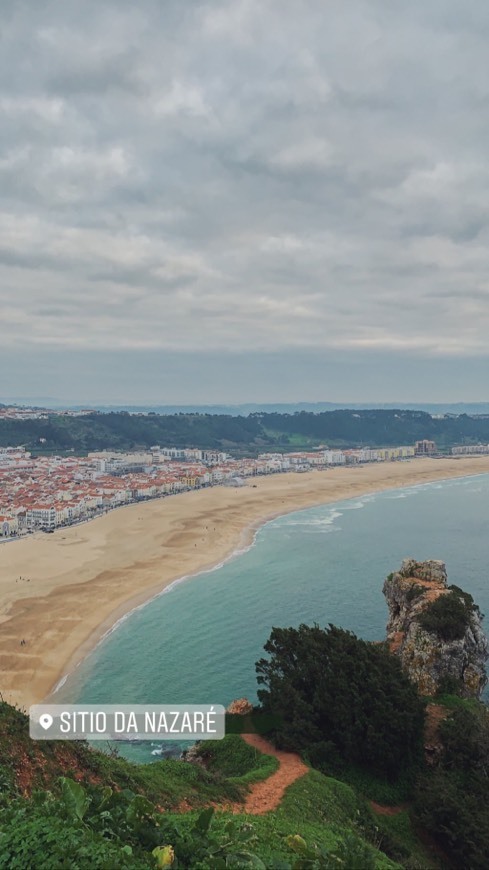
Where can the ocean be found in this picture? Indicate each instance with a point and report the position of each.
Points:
(198, 641)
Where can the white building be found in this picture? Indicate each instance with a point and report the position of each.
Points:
(41, 517)
(8, 526)
(334, 457)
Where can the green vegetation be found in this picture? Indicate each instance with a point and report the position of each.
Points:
(328, 813)
(452, 802)
(448, 616)
(386, 792)
(414, 591)
(123, 431)
(234, 758)
(63, 805)
(82, 827)
(26, 766)
(321, 823)
(455, 702)
(377, 427)
(397, 836)
(467, 599)
(259, 431)
(341, 700)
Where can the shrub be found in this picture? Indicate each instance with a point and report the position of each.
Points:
(447, 616)
(467, 597)
(340, 697)
(414, 591)
(234, 758)
(449, 685)
(453, 802)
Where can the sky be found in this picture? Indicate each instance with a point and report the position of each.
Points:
(244, 200)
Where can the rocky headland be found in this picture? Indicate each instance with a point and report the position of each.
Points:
(436, 630)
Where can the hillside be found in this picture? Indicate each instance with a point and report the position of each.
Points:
(65, 805)
(255, 433)
(123, 431)
(373, 428)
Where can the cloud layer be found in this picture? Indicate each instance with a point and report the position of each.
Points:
(245, 175)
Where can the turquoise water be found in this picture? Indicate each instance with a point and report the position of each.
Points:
(198, 642)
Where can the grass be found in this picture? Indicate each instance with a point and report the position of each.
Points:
(397, 835)
(454, 702)
(235, 759)
(380, 790)
(26, 765)
(167, 783)
(324, 811)
(291, 440)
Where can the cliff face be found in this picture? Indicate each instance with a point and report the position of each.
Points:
(440, 643)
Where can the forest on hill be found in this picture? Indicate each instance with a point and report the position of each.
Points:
(251, 434)
(123, 431)
(375, 428)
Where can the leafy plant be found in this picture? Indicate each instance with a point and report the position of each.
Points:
(75, 799)
(164, 856)
(448, 616)
(33, 837)
(203, 846)
(352, 853)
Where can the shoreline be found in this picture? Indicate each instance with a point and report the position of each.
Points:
(132, 605)
(64, 593)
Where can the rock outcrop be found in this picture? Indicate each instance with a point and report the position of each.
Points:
(193, 755)
(441, 645)
(240, 707)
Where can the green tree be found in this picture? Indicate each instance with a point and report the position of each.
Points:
(340, 699)
(452, 803)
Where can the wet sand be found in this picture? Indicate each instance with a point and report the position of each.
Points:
(60, 593)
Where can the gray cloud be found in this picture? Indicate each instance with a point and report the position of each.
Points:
(245, 176)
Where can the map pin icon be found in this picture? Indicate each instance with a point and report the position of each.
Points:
(46, 720)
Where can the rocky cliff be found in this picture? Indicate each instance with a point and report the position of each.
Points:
(436, 630)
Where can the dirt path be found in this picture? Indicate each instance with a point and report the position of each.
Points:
(265, 796)
(435, 714)
(388, 811)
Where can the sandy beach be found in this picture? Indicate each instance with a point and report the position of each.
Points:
(60, 593)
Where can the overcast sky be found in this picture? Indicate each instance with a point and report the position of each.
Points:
(244, 200)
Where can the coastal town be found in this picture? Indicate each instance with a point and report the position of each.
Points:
(42, 493)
